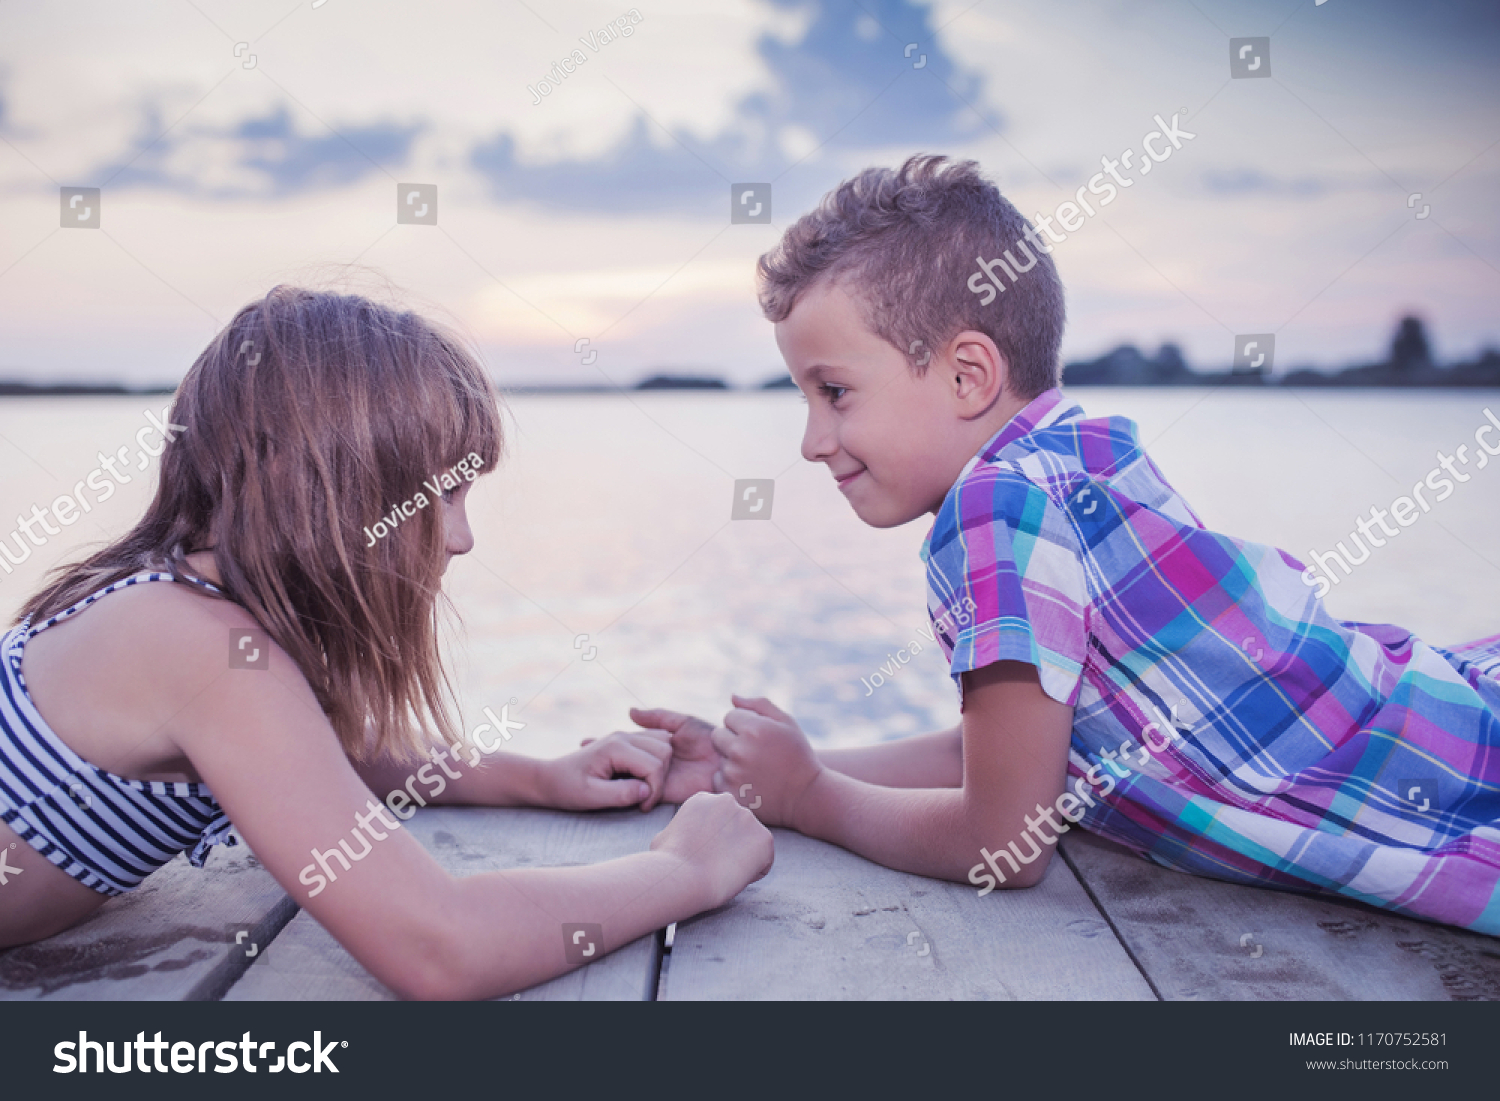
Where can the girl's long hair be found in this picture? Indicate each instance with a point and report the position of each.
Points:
(306, 420)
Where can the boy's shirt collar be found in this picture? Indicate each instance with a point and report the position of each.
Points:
(1043, 411)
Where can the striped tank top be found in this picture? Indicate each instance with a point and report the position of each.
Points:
(105, 831)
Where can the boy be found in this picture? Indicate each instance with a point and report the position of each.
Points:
(1119, 667)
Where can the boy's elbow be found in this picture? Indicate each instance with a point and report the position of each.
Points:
(1030, 875)
(1004, 870)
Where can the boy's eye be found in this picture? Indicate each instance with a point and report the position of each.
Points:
(832, 393)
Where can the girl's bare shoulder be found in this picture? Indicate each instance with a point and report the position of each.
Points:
(154, 625)
(114, 680)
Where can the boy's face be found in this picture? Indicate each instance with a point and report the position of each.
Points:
(895, 441)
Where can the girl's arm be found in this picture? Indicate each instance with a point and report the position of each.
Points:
(261, 743)
(583, 780)
(1015, 746)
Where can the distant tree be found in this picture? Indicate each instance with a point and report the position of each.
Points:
(1170, 362)
(1409, 351)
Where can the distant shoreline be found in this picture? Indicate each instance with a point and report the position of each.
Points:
(1408, 365)
(15, 389)
(1197, 380)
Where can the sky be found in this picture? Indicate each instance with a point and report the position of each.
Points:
(584, 235)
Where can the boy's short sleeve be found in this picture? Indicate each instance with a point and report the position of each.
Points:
(1005, 581)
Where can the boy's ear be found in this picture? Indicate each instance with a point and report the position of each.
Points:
(978, 373)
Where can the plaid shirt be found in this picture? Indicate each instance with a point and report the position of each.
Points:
(1224, 723)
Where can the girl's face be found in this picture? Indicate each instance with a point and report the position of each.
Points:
(457, 537)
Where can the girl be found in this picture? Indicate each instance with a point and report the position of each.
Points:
(286, 667)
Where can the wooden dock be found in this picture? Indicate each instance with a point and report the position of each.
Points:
(825, 924)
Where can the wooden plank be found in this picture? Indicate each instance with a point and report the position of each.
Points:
(173, 938)
(826, 924)
(306, 963)
(1198, 938)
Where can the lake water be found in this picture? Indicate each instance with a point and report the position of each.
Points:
(610, 518)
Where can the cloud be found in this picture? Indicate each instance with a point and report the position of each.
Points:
(266, 155)
(634, 176)
(604, 207)
(847, 80)
(775, 84)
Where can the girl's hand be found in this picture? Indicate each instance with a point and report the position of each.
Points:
(624, 769)
(720, 843)
(694, 762)
(694, 758)
(768, 763)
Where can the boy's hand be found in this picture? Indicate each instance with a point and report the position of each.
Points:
(624, 769)
(768, 763)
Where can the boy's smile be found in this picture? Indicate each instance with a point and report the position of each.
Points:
(895, 441)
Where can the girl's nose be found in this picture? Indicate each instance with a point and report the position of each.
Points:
(458, 536)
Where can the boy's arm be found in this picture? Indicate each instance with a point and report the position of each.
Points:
(933, 760)
(1015, 752)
